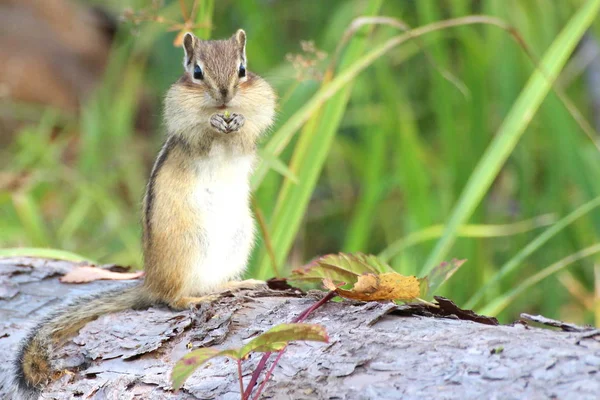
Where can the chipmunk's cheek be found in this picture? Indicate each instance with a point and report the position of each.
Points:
(211, 101)
(234, 103)
(244, 84)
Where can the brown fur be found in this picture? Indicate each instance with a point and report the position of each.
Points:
(188, 106)
(169, 226)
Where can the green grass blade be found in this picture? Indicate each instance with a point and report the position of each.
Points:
(276, 165)
(75, 218)
(204, 18)
(32, 218)
(501, 302)
(537, 243)
(343, 80)
(471, 230)
(376, 141)
(309, 155)
(513, 127)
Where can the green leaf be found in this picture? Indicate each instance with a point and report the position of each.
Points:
(275, 346)
(274, 339)
(279, 336)
(342, 267)
(191, 361)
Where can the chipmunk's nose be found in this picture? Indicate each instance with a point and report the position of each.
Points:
(225, 95)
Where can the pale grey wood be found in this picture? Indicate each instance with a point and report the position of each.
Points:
(373, 353)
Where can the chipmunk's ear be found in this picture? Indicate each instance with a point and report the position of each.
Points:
(189, 46)
(240, 38)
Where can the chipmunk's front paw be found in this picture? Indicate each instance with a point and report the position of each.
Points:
(236, 122)
(189, 302)
(227, 123)
(218, 122)
(247, 284)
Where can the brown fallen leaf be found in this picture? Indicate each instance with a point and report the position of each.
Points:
(90, 274)
(386, 286)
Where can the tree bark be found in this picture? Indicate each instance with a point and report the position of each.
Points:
(376, 351)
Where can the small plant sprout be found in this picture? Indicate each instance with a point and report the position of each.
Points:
(275, 339)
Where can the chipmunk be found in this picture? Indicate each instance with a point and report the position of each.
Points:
(197, 225)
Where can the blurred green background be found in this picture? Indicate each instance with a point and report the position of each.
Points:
(380, 167)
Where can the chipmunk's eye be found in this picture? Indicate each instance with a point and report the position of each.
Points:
(242, 71)
(198, 74)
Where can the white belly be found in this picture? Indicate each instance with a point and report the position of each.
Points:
(226, 231)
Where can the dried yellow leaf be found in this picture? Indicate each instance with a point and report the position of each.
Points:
(367, 284)
(387, 286)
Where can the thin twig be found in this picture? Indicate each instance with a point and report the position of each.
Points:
(193, 16)
(239, 367)
(262, 224)
(404, 27)
(306, 313)
(268, 374)
(184, 12)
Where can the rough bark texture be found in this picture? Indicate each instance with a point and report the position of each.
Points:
(374, 353)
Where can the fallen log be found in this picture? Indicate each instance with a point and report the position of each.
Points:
(376, 350)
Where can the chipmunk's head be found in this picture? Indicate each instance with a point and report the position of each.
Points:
(216, 66)
(215, 81)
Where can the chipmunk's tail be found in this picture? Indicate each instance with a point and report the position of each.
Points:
(32, 366)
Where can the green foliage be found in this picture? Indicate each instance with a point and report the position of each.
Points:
(513, 127)
(275, 339)
(349, 268)
(342, 267)
(382, 155)
(499, 303)
(534, 245)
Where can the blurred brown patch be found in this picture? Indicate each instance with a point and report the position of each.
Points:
(52, 52)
